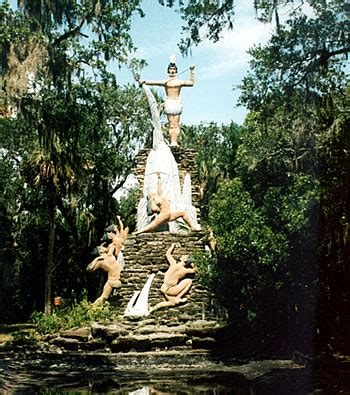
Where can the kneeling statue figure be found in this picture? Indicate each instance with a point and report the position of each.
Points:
(175, 286)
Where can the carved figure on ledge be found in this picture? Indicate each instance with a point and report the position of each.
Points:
(110, 259)
(111, 265)
(175, 286)
(160, 206)
(173, 105)
(116, 236)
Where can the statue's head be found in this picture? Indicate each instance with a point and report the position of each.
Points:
(172, 69)
(184, 259)
(111, 228)
(111, 231)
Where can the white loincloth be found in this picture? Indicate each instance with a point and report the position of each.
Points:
(173, 106)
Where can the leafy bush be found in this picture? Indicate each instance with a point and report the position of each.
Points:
(205, 265)
(78, 315)
(265, 263)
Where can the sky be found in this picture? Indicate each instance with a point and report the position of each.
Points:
(220, 66)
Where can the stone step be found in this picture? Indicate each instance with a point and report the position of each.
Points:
(141, 335)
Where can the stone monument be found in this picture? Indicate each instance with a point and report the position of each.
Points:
(166, 217)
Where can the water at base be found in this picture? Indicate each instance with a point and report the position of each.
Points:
(39, 378)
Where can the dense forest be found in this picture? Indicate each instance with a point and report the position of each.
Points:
(275, 192)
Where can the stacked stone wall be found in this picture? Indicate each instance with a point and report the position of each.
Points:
(190, 325)
(146, 254)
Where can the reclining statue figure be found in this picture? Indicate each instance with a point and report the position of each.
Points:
(160, 205)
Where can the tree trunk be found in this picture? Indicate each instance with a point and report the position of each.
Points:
(50, 251)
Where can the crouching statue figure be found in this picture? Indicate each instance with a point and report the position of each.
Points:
(175, 286)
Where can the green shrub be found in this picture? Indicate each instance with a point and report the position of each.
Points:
(78, 315)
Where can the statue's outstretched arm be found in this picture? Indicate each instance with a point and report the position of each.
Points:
(151, 82)
(121, 226)
(169, 256)
(123, 231)
(190, 82)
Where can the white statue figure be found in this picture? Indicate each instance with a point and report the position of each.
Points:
(162, 200)
(163, 212)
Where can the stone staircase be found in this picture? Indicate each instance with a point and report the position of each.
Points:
(139, 335)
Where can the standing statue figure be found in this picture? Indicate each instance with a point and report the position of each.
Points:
(173, 105)
(160, 206)
(110, 259)
(175, 286)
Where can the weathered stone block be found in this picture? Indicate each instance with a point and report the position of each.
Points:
(110, 331)
(148, 342)
(79, 333)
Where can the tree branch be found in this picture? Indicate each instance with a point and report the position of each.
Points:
(69, 33)
(118, 186)
(74, 30)
(322, 60)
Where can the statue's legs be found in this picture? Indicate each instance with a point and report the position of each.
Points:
(177, 214)
(174, 295)
(179, 290)
(166, 217)
(174, 129)
(107, 289)
(159, 220)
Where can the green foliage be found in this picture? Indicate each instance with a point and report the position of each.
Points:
(74, 140)
(204, 19)
(293, 159)
(303, 61)
(244, 235)
(81, 145)
(127, 204)
(206, 273)
(89, 33)
(216, 147)
(78, 315)
(263, 271)
(333, 324)
(290, 207)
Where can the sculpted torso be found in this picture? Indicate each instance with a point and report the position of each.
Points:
(163, 203)
(173, 88)
(111, 265)
(175, 273)
(173, 105)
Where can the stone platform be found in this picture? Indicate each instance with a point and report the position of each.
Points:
(139, 335)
